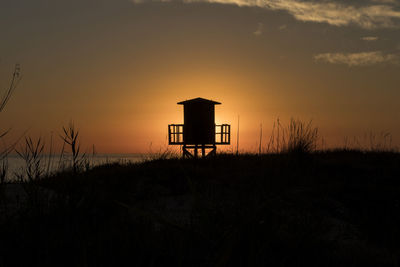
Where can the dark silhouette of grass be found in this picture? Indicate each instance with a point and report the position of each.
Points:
(336, 208)
(298, 137)
(295, 207)
(15, 79)
(70, 138)
(31, 153)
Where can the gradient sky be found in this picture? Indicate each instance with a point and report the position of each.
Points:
(117, 68)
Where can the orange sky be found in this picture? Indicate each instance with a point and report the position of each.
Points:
(118, 68)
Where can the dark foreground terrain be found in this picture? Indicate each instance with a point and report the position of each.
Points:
(325, 209)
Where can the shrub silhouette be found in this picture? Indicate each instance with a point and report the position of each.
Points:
(70, 138)
(298, 137)
(301, 137)
(31, 153)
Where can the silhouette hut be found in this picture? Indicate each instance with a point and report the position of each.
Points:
(199, 130)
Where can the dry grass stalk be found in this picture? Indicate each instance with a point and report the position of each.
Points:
(31, 153)
(16, 77)
(70, 138)
(297, 137)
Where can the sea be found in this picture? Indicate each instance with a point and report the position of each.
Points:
(16, 166)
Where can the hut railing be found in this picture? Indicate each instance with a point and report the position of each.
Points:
(175, 134)
(222, 134)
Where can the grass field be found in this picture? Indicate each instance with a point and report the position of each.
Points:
(337, 208)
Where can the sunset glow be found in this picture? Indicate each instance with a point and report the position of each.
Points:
(118, 68)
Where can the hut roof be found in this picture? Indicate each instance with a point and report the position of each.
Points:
(198, 100)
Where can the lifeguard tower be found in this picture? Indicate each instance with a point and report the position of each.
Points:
(199, 130)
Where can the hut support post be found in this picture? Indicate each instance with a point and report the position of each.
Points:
(186, 153)
(192, 151)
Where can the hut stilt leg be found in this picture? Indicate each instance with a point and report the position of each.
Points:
(185, 153)
(213, 152)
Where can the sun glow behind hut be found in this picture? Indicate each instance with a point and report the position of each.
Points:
(199, 130)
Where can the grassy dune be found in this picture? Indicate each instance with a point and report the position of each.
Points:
(339, 208)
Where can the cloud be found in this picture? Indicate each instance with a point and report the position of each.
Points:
(282, 27)
(367, 15)
(369, 38)
(259, 30)
(357, 59)
(384, 1)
